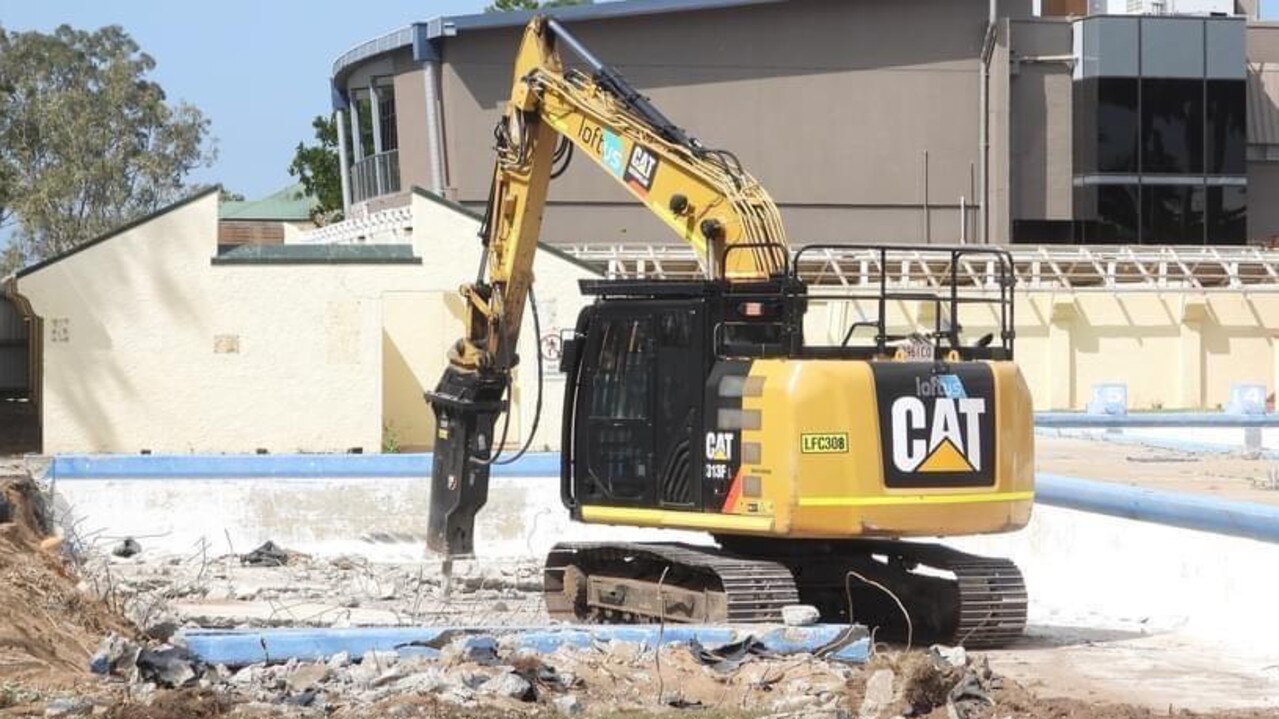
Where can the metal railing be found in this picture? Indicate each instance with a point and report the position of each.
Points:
(386, 227)
(375, 175)
(1112, 269)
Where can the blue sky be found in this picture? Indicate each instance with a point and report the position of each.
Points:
(257, 68)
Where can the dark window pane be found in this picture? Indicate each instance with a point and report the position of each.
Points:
(1226, 134)
(386, 110)
(1117, 214)
(621, 380)
(1043, 232)
(1110, 214)
(365, 110)
(1117, 124)
(1172, 125)
(1172, 215)
(1227, 215)
(1084, 115)
(676, 329)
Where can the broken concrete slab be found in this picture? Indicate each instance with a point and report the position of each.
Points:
(239, 648)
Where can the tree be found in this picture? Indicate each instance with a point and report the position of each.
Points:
(317, 168)
(87, 142)
(508, 5)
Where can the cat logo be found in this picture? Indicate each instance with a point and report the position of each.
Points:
(938, 434)
(719, 446)
(641, 170)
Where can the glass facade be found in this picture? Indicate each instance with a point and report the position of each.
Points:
(1160, 131)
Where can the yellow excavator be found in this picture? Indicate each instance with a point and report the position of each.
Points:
(700, 405)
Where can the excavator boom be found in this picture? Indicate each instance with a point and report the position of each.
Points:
(702, 194)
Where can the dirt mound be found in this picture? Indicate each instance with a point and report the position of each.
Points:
(49, 628)
(182, 704)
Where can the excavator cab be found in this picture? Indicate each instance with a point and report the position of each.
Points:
(635, 398)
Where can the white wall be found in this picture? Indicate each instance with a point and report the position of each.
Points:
(147, 345)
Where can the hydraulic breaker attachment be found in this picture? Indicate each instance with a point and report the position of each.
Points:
(466, 405)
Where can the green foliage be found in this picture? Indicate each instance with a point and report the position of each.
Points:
(317, 168)
(390, 438)
(87, 141)
(508, 5)
(10, 259)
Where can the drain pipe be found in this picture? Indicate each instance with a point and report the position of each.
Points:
(434, 128)
(983, 127)
(428, 53)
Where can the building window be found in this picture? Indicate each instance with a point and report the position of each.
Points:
(1172, 126)
(1160, 131)
(1226, 139)
(1172, 214)
(1110, 214)
(364, 108)
(1118, 124)
(1227, 215)
(386, 117)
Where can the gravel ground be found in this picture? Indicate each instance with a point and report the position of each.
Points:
(1233, 476)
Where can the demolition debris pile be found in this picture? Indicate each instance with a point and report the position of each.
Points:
(50, 624)
(485, 675)
(98, 633)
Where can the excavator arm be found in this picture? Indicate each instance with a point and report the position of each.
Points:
(702, 194)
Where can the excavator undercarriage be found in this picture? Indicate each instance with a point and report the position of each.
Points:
(978, 602)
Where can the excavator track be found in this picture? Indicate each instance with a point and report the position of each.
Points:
(983, 606)
(992, 602)
(664, 582)
(988, 606)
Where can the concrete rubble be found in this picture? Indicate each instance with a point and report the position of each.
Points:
(613, 677)
(258, 589)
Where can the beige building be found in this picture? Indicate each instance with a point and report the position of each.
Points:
(150, 340)
(932, 121)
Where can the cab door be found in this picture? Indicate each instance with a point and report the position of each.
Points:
(681, 377)
(614, 443)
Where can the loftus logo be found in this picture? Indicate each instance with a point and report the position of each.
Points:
(607, 146)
